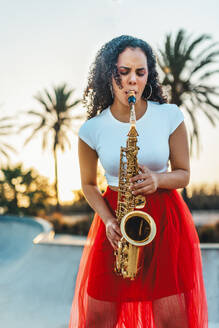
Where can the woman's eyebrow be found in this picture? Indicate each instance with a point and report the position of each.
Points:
(124, 67)
(141, 68)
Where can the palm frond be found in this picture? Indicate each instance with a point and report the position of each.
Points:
(4, 153)
(206, 61)
(34, 132)
(211, 117)
(2, 133)
(174, 57)
(62, 96)
(168, 50)
(198, 102)
(206, 50)
(199, 66)
(74, 103)
(165, 62)
(8, 147)
(39, 97)
(59, 95)
(31, 112)
(6, 118)
(6, 130)
(25, 126)
(71, 118)
(178, 42)
(194, 44)
(206, 88)
(209, 73)
(6, 126)
(205, 92)
(52, 101)
(209, 102)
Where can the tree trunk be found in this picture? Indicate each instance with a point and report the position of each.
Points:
(56, 179)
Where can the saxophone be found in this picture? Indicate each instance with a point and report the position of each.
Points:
(137, 227)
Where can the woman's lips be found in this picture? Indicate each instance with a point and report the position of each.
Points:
(129, 91)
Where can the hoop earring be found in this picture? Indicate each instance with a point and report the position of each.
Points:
(111, 90)
(150, 92)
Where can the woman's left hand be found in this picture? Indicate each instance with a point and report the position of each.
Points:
(149, 184)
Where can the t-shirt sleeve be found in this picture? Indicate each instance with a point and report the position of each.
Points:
(85, 133)
(176, 117)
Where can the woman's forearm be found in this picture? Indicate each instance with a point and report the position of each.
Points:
(172, 180)
(168, 180)
(97, 202)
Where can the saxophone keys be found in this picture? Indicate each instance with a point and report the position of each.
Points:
(128, 195)
(125, 273)
(140, 201)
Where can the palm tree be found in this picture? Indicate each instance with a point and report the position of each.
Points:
(6, 128)
(186, 73)
(56, 120)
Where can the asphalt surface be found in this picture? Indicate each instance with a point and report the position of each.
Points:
(37, 280)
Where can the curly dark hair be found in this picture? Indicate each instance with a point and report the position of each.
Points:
(97, 95)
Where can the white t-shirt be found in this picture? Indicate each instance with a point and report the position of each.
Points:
(105, 134)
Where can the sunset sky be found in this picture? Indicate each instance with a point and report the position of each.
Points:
(48, 42)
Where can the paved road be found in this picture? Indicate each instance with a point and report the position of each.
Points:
(37, 280)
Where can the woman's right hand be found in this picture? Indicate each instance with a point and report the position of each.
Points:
(113, 232)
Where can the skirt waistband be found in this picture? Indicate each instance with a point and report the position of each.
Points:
(157, 193)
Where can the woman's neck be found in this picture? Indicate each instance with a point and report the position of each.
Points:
(122, 112)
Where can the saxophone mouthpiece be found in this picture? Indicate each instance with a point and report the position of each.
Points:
(131, 98)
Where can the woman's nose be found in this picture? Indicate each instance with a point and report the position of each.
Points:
(132, 78)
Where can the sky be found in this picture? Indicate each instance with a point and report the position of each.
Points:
(48, 42)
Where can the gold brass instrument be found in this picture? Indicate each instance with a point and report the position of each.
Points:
(137, 227)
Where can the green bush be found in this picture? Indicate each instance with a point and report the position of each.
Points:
(24, 192)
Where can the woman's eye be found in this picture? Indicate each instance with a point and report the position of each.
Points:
(127, 72)
(123, 73)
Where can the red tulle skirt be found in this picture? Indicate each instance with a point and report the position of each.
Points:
(168, 292)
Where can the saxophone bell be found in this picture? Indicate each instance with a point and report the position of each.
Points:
(138, 228)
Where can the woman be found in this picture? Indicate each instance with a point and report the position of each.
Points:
(169, 290)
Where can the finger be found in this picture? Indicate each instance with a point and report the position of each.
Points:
(145, 183)
(118, 235)
(112, 241)
(142, 167)
(138, 185)
(142, 191)
(137, 177)
(116, 228)
(114, 244)
(117, 231)
(114, 235)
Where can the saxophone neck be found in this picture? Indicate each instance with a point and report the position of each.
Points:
(132, 115)
(132, 100)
